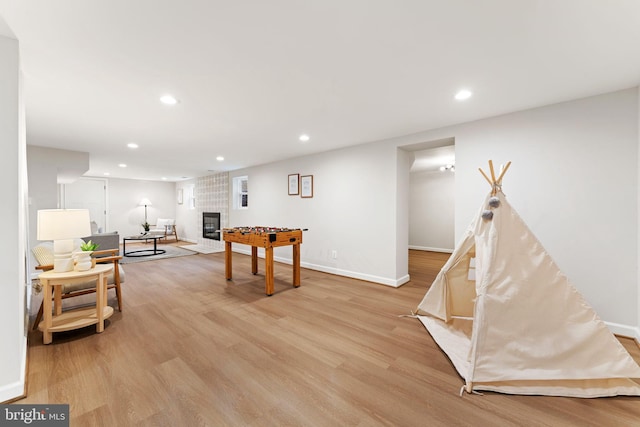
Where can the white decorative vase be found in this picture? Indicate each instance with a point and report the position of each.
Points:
(83, 261)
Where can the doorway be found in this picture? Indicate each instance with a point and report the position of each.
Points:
(432, 200)
(87, 193)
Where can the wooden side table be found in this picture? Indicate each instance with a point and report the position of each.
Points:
(77, 318)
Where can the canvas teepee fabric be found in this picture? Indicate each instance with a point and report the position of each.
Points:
(511, 322)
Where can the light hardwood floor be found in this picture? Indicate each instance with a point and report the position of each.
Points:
(192, 349)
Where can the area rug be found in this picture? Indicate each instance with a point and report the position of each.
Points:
(202, 249)
(171, 252)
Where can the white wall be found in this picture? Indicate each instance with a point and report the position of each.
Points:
(44, 164)
(574, 180)
(403, 166)
(432, 211)
(187, 219)
(13, 213)
(353, 210)
(638, 219)
(126, 216)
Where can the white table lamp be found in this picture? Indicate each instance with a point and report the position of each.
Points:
(62, 226)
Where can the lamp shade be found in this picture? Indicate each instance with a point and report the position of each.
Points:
(145, 202)
(60, 224)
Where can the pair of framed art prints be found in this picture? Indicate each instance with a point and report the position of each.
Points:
(301, 185)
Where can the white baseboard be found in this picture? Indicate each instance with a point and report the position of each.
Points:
(16, 389)
(11, 391)
(396, 283)
(624, 330)
(427, 248)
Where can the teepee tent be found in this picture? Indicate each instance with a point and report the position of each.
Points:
(511, 322)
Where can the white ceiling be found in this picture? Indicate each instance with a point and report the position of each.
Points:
(252, 75)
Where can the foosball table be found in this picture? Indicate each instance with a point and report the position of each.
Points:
(267, 238)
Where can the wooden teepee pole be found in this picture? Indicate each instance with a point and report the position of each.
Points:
(493, 173)
(493, 182)
(503, 172)
(485, 177)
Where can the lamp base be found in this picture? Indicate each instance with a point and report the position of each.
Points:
(62, 265)
(62, 255)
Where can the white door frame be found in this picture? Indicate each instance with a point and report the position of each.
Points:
(105, 186)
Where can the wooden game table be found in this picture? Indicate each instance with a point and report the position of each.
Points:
(267, 238)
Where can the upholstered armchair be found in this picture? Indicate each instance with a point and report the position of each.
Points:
(165, 227)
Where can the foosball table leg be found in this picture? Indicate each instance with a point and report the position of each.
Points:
(254, 259)
(296, 265)
(268, 262)
(227, 260)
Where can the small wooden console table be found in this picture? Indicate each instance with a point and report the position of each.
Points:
(76, 318)
(267, 238)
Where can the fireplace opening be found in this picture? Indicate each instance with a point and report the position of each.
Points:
(211, 225)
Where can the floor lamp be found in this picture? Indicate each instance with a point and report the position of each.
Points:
(145, 202)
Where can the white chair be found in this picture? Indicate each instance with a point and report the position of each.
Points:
(165, 227)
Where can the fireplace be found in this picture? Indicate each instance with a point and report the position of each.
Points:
(211, 225)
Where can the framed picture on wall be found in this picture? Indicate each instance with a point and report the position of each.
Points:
(306, 184)
(179, 196)
(294, 181)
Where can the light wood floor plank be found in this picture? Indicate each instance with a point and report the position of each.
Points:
(191, 348)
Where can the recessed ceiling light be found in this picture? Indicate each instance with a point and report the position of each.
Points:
(304, 137)
(106, 174)
(132, 145)
(164, 178)
(122, 165)
(219, 158)
(463, 94)
(168, 100)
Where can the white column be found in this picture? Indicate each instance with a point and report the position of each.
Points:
(13, 214)
(637, 331)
